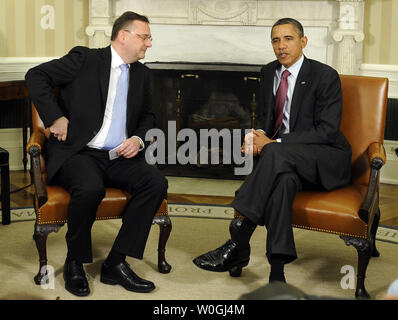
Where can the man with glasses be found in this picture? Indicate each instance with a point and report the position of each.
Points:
(98, 123)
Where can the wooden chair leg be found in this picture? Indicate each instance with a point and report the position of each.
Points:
(375, 225)
(364, 249)
(165, 227)
(363, 261)
(40, 236)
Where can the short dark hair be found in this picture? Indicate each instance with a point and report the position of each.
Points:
(294, 22)
(125, 19)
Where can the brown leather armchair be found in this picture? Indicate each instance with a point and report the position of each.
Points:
(353, 211)
(51, 202)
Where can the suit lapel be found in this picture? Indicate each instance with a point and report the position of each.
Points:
(134, 77)
(302, 82)
(269, 99)
(105, 71)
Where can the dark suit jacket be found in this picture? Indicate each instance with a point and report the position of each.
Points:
(315, 118)
(82, 79)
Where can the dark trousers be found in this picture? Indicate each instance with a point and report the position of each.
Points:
(267, 195)
(86, 175)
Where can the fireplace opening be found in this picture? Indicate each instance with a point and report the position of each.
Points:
(210, 106)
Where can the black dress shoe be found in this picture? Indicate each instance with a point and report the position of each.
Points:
(123, 275)
(224, 258)
(75, 279)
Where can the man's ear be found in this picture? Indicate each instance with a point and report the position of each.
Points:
(304, 41)
(121, 36)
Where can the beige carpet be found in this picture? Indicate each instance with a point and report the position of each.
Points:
(316, 272)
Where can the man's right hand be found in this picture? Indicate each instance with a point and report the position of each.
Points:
(248, 146)
(60, 128)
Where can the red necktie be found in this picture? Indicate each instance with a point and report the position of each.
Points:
(280, 100)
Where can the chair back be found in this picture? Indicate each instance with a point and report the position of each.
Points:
(363, 118)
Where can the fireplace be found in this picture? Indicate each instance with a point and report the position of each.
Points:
(204, 98)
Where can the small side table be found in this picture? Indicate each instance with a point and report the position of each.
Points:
(11, 90)
(5, 186)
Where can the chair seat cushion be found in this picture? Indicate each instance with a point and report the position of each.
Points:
(111, 207)
(333, 212)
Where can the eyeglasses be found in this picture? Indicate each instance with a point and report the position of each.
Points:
(144, 37)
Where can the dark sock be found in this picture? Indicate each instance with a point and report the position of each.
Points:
(242, 231)
(277, 268)
(70, 259)
(115, 258)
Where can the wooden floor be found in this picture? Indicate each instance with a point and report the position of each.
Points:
(388, 197)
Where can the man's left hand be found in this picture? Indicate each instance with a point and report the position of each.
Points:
(129, 148)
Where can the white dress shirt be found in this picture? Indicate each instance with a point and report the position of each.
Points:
(99, 140)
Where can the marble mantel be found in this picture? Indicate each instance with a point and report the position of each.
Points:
(238, 31)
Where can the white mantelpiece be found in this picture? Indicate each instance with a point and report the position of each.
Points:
(238, 31)
(101, 20)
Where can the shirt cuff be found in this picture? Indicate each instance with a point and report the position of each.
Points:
(279, 140)
(142, 145)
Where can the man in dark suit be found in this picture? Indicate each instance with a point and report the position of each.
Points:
(298, 146)
(103, 103)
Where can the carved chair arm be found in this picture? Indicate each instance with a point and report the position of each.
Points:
(37, 139)
(377, 158)
(376, 153)
(34, 148)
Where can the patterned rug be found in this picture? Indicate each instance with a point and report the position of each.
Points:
(22, 214)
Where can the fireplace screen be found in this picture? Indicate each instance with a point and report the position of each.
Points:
(203, 111)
